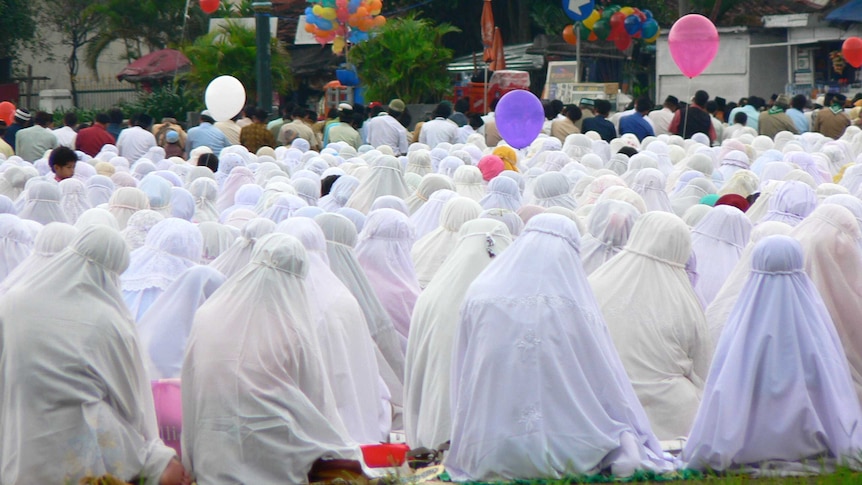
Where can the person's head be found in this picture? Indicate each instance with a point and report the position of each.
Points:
(70, 119)
(643, 105)
(62, 162)
(556, 107)
(209, 160)
(260, 116)
(828, 98)
(102, 119)
(22, 116)
(799, 102)
(756, 102)
(42, 118)
(443, 110)
(332, 113)
(546, 107)
(586, 103)
(839, 100)
(730, 107)
(115, 116)
(573, 113)
(475, 121)
(740, 118)
(701, 97)
(310, 116)
(603, 107)
(711, 107)
(298, 113)
(628, 151)
(396, 107)
(286, 111)
(375, 108)
(207, 117)
(326, 184)
(143, 120)
(172, 136)
(462, 105)
(345, 112)
(249, 110)
(781, 101)
(671, 103)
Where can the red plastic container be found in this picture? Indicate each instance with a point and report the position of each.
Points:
(384, 455)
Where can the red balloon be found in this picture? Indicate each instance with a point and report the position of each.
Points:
(852, 51)
(618, 21)
(623, 42)
(209, 6)
(569, 35)
(7, 112)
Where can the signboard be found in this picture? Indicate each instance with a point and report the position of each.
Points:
(578, 10)
(560, 84)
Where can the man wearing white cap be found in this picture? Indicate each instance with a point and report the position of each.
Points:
(440, 129)
(385, 129)
(22, 120)
(345, 129)
(345, 113)
(205, 134)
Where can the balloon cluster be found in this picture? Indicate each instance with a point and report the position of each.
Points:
(617, 24)
(343, 21)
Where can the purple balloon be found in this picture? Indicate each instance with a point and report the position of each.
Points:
(519, 116)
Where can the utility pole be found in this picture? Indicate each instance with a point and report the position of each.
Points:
(262, 10)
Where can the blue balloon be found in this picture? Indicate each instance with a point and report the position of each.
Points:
(324, 24)
(650, 28)
(352, 5)
(632, 24)
(357, 36)
(647, 13)
(520, 117)
(309, 12)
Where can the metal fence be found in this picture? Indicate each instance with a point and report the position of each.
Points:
(93, 94)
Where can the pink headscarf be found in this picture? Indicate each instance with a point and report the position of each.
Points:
(491, 166)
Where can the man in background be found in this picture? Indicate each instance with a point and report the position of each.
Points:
(206, 134)
(66, 134)
(661, 118)
(599, 123)
(21, 121)
(636, 123)
(134, 142)
(91, 140)
(32, 143)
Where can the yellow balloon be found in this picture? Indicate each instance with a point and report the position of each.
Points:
(654, 38)
(338, 44)
(589, 21)
(627, 10)
(328, 13)
(317, 10)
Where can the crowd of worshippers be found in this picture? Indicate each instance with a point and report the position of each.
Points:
(580, 306)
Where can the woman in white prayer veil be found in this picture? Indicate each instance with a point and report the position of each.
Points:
(16, 243)
(391, 202)
(830, 239)
(341, 238)
(338, 195)
(344, 340)
(125, 202)
(649, 183)
(691, 194)
(216, 239)
(553, 189)
(776, 399)
(384, 253)
(172, 246)
(718, 311)
(427, 415)
(239, 253)
(609, 224)
(791, 203)
(430, 184)
(431, 250)
(74, 368)
(717, 241)
(73, 199)
(257, 405)
(164, 328)
(284, 207)
(158, 192)
(205, 193)
(419, 162)
(43, 204)
(427, 218)
(657, 322)
(385, 178)
(135, 233)
(469, 183)
(503, 193)
(561, 402)
(52, 239)
(511, 219)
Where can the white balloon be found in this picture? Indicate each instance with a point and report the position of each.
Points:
(225, 97)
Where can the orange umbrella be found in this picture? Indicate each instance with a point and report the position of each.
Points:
(499, 62)
(487, 29)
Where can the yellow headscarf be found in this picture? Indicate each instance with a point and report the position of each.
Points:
(509, 157)
(840, 175)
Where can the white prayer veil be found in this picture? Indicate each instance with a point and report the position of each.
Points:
(135, 233)
(430, 184)
(73, 199)
(125, 202)
(385, 178)
(830, 239)
(205, 193)
(307, 190)
(172, 246)
(432, 249)
(649, 183)
(165, 327)
(284, 207)
(427, 218)
(718, 311)
(609, 225)
(43, 203)
(657, 322)
(503, 193)
(691, 194)
(231, 260)
(101, 417)
(792, 203)
(16, 242)
(553, 189)
(391, 202)
(560, 402)
(339, 193)
(216, 239)
(761, 407)
(427, 415)
(238, 177)
(341, 236)
(52, 239)
(717, 241)
(469, 182)
(158, 192)
(257, 406)
(344, 340)
(384, 253)
(511, 219)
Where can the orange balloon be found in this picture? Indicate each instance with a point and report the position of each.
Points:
(569, 35)
(593, 37)
(309, 28)
(379, 21)
(366, 24)
(362, 12)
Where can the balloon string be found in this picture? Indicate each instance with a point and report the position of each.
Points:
(687, 110)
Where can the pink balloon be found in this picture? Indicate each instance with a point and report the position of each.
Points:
(693, 43)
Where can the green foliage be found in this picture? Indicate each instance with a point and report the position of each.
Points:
(17, 26)
(227, 9)
(232, 50)
(173, 100)
(84, 115)
(405, 59)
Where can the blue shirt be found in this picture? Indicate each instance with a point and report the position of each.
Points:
(208, 135)
(636, 125)
(753, 116)
(799, 119)
(600, 125)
